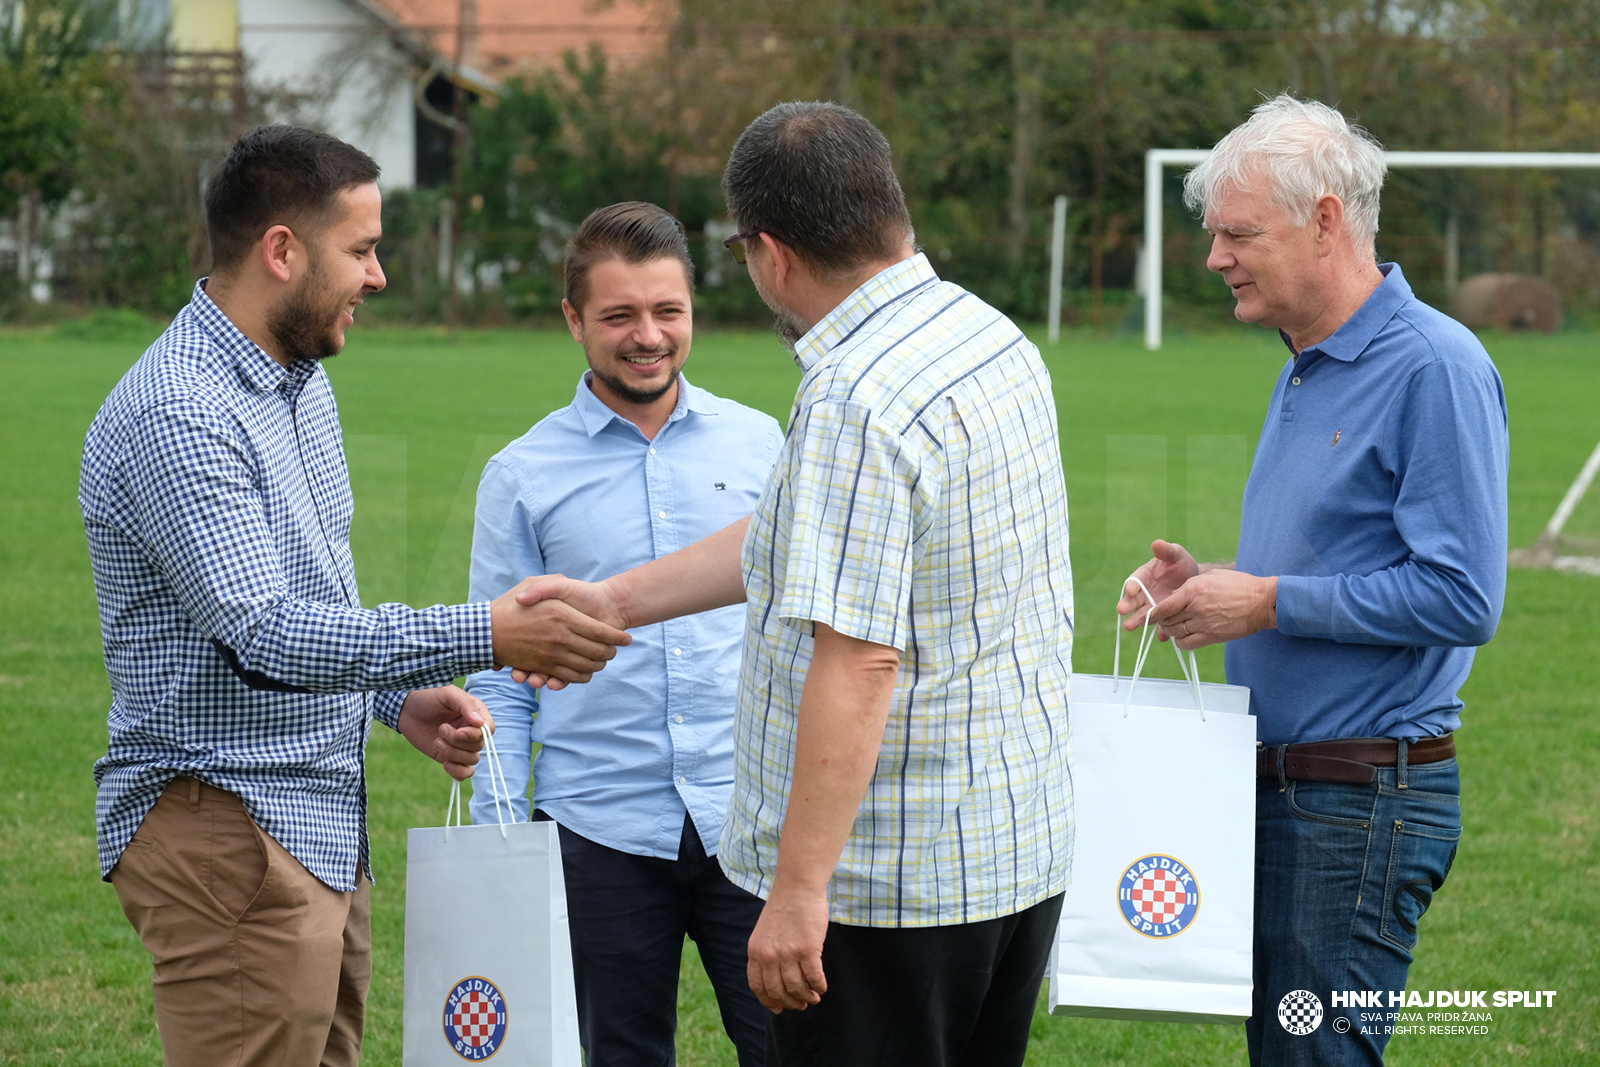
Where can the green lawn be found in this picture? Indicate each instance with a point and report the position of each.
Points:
(1154, 444)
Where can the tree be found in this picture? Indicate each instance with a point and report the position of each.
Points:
(50, 68)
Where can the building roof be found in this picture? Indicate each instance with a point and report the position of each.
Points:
(516, 35)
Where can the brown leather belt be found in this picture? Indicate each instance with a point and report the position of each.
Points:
(1352, 760)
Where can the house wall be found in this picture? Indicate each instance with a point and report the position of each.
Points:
(204, 25)
(332, 65)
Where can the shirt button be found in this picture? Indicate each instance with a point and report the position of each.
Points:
(683, 781)
(652, 451)
(680, 718)
(661, 514)
(677, 652)
(1296, 381)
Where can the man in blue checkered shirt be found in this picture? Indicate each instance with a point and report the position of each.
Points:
(245, 674)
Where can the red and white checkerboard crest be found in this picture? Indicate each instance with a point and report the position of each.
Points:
(475, 1018)
(1159, 895)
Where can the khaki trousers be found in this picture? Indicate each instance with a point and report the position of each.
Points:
(257, 963)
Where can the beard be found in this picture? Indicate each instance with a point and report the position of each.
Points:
(630, 393)
(785, 323)
(788, 327)
(306, 325)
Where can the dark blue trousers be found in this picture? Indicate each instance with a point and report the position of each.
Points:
(629, 915)
(1343, 875)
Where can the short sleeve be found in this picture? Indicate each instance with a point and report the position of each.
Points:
(851, 487)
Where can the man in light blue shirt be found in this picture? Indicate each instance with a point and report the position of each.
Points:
(1372, 562)
(637, 771)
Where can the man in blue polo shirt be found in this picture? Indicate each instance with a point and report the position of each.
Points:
(637, 772)
(1372, 562)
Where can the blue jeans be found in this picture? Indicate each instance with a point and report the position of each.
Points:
(1343, 874)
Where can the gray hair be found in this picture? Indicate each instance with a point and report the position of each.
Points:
(1306, 150)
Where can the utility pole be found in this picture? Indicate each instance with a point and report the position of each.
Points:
(1097, 247)
(1058, 258)
(675, 47)
(460, 145)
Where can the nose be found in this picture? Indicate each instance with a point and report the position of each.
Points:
(375, 279)
(648, 333)
(1220, 258)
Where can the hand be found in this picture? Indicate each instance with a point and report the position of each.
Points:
(1219, 605)
(785, 949)
(1163, 576)
(446, 724)
(550, 638)
(594, 599)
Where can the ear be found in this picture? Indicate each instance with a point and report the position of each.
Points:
(279, 249)
(1327, 221)
(574, 320)
(785, 261)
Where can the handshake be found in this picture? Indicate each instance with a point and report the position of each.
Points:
(553, 630)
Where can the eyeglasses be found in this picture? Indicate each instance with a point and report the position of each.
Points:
(735, 244)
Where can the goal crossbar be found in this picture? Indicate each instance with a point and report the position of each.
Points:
(1156, 160)
(1546, 552)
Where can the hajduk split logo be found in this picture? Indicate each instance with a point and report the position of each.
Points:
(1159, 896)
(475, 1018)
(1300, 1013)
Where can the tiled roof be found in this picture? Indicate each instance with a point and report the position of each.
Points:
(529, 34)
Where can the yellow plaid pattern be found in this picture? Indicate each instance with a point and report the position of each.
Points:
(918, 502)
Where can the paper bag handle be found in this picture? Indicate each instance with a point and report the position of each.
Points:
(492, 765)
(1190, 666)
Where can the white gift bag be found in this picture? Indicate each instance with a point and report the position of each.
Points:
(1157, 922)
(488, 954)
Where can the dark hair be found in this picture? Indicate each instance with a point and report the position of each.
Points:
(632, 231)
(278, 175)
(820, 178)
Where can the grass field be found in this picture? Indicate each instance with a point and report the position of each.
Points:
(1154, 445)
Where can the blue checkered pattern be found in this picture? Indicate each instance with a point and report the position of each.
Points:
(218, 509)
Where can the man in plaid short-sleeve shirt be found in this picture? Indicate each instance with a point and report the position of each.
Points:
(901, 794)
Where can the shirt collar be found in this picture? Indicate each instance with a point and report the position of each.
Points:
(256, 368)
(881, 289)
(1352, 338)
(597, 416)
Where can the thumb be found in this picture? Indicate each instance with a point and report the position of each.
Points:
(1170, 607)
(1166, 551)
(533, 590)
(470, 710)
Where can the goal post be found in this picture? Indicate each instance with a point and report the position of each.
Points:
(1157, 160)
(1545, 553)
